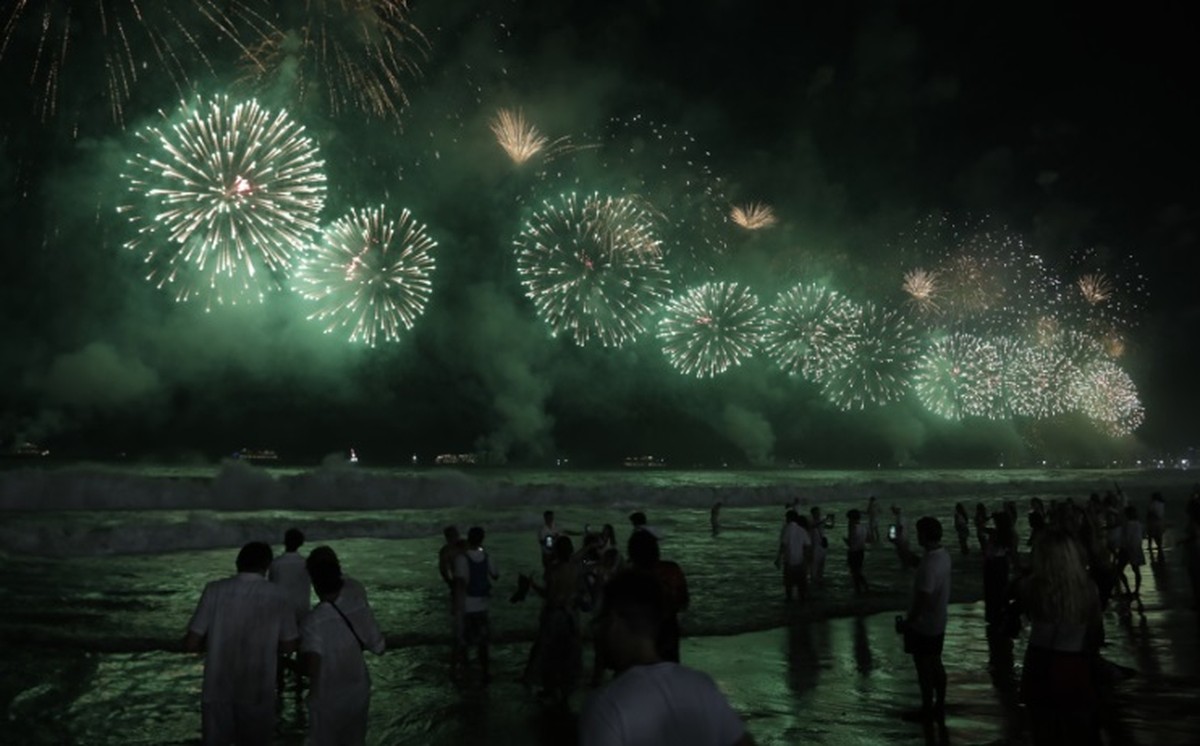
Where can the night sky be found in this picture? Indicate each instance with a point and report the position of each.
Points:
(1073, 127)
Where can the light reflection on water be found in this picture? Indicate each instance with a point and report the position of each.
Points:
(86, 660)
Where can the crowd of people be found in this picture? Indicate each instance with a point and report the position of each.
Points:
(260, 626)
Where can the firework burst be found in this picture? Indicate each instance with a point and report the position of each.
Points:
(1095, 288)
(222, 199)
(126, 39)
(369, 274)
(961, 375)
(976, 278)
(1106, 394)
(711, 328)
(354, 54)
(592, 267)
(521, 140)
(753, 216)
(804, 328)
(876, 357)
(921, 287)
(1039, 378)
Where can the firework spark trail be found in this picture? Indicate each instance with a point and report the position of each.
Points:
(753, 216)
(519, 138)
(921, 287)
(710, 328)
(359, 53)
(369, 274)
(1095, 288)
(126, 39)
(804, 327)
(592, 267)
(959, 376)
(875, 360)
(222, 198)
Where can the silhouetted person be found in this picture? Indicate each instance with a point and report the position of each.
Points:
(474, 572)
(333, 638)
(962, 527)
(856, 550)
(925, 626)
(651, 701)
(644, 557)
(999, 557)
(1156, 513)
(547, 533)
(1131, 555)
(289, 573)
(714, 518)
(447, 553)
(1065, 633)
(242, 624)
(557, 652)
(795, 548)
(872, 520)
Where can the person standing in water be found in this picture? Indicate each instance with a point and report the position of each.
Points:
(714, 518)
(856, 550)
(872, 520)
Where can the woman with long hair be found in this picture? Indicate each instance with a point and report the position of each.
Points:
(1065, 633)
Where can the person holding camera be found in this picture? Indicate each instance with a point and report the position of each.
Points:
(924, 628)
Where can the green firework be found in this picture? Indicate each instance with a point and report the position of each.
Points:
(222, 198)
(592, 268)
(710, 328)
(369, 274)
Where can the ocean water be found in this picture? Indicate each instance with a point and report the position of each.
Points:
(103, 567)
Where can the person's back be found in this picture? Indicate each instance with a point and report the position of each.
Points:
(243, 619)
(327, 633)
(796, 542)
(333, 638)
(288, 572)
(242, 623)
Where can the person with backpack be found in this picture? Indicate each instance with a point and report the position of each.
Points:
(474, 571)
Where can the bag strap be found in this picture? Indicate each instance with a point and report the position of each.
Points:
(346, 619)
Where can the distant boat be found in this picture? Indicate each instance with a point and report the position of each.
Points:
(256, 454)
(27, 449)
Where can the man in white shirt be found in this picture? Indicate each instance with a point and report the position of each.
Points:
(795, 547)
(474, 572)
(651, 701)
(242, 624)
(333, 637)
(925, 627)
(287, 571)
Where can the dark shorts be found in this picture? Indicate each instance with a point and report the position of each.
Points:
(475, 628)
(917, 644)
(796, 574)
(855, 559)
